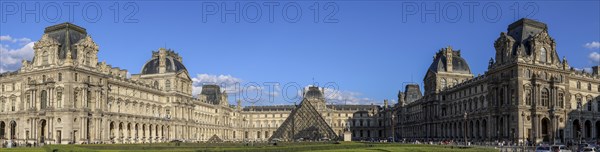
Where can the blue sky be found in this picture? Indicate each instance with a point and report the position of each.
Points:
(368, 48)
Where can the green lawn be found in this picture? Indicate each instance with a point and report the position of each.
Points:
(239, 147)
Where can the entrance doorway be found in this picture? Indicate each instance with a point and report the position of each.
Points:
(545, 129)
(58, 136)
(42, 132)
(13, 130)
(2, 129)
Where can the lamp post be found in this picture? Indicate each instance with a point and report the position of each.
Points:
(580, 132)
(523, 118)
(393, 129)
(465, 134)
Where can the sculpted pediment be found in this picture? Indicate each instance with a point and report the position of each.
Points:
(87, 42)
(46, 40)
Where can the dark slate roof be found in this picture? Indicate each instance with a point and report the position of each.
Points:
(270, 108)
(459, 64)
(66, 34)
(313, 92)
(525, 28)
(353, 107)
(412, 93)
(291, 107)
(212, 93)
(172, 65)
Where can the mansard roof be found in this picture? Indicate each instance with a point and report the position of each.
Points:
(66, 34)
(270, 108)
(525, 28)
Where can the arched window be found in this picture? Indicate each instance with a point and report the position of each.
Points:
(578, 85)
(45, 57)
(590, 86)
(545, 95)
(168, 85)
(155, 84)
(543, 55)
(443, 83)
(59, 76)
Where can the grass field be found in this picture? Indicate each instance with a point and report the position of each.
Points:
(238, 147)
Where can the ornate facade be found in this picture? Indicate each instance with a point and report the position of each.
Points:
(64, 95)
(527, 93)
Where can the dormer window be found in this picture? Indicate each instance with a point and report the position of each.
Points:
(45, 58)
(543, 55)
(443, 84)
(88, 58)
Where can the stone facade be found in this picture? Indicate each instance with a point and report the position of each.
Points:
(527, 93)
(64, 95)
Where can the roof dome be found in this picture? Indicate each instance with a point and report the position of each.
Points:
(172, 62)
(440, 62)
(313, 92)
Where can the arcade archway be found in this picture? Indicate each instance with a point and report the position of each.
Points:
(13, 130)
(2, 130)
(43, 129)
(545, 129)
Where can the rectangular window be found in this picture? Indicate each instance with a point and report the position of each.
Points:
(561, 100)
(59, 99)
(2, 105)
(589, 105)
(528, 97)
(13, 102)
(513, 97)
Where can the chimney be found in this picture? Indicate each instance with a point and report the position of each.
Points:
(385, 104)
(595, 70)
(162, 53)
(449, 59)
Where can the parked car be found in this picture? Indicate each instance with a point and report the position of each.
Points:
(542, 149)
(559, 148)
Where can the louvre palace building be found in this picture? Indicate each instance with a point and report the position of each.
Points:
(65, 95)
(528, 93)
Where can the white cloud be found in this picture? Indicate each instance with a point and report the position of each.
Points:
(10, 59)
(587, 70)
(595, 57)
(5, 38)
(228, 83)
(236, 88)
(346, 97)
(593, 45)
(8, 38)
